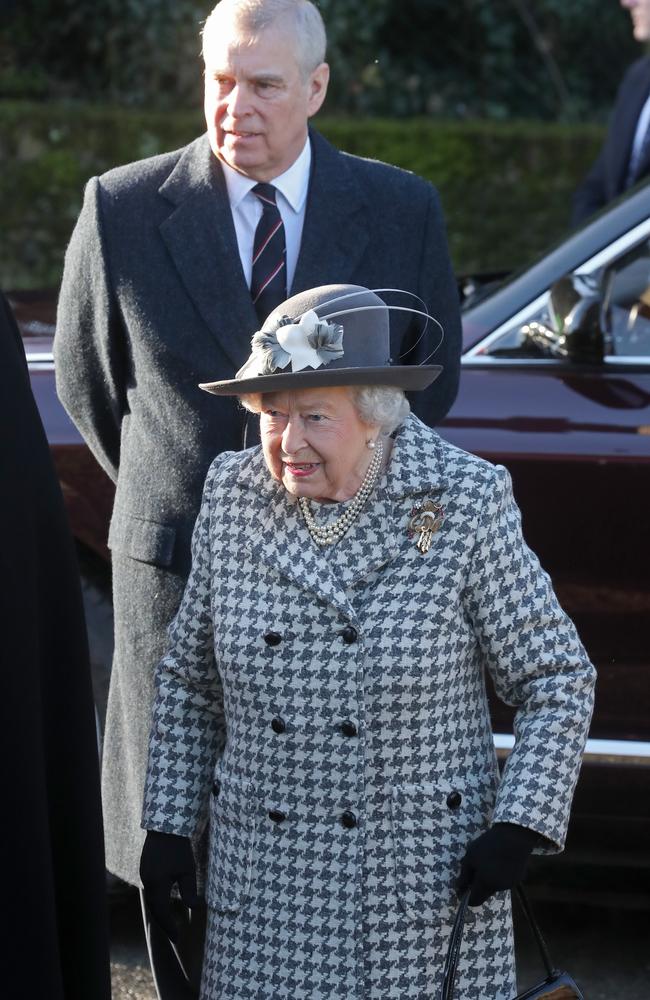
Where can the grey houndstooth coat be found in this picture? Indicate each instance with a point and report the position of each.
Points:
(276, 645)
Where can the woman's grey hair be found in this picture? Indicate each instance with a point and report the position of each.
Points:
(253, 16)
(384, 406)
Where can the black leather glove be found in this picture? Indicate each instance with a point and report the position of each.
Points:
(496, 861)
(167, 859)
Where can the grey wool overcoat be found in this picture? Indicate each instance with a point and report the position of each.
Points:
(154, 301)
(325, 714)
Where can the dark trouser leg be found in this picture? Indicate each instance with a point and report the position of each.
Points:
(176, 968)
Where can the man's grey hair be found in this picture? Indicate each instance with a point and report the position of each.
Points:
(384, 406)
(250, 17)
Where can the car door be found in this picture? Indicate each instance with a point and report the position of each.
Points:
(576, 438)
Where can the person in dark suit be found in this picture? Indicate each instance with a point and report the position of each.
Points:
(54, 940)
(172, 265)
(625, 156)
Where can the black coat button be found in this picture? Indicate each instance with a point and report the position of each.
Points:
(348, 728)
(349, 634)
(278, 725)
(348, 820)
(216, 788)
(272, 638)
(454, 799)
(276, 815)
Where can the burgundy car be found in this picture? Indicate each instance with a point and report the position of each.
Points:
(556, 386)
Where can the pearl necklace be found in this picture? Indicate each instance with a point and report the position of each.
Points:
(335, 531)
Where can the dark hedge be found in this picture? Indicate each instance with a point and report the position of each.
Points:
(505, 187)
(470, 59)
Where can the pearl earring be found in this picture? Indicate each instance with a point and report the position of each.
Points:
(371, 444)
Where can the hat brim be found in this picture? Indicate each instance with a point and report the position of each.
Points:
(409, 377)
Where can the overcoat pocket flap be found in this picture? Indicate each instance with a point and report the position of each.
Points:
(431, 827)
(141, 539)
(232, 838)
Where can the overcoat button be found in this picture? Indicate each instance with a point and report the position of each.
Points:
(272, 638)
(454, 799)
(348, 820)
(349, 634)
(348, 728)
(278, 725)
(216, 788)
(276, 815)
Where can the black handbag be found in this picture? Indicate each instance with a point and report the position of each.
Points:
(557, 985)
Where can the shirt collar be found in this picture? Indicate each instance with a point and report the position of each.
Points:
(293, 183)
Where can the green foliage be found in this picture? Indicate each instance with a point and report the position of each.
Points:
(487, 58)
(502, 58)
(352, 32)
(505, 187)
(131, 51)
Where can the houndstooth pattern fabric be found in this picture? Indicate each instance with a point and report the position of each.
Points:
(344, 762)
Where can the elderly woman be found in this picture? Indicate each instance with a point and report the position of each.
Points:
(322, 706)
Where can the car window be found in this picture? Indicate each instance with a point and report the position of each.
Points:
(530, 337)
(619, 292)
(626, 304)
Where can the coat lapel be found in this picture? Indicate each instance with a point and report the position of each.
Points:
(200, 236)
(282, 541)
(335, 233)
(413, 475)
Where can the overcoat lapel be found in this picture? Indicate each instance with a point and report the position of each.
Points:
(200, 236)
(375, 541)
(281, 539)
(412, 476)
(335, 233)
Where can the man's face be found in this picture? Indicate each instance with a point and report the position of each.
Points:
(640, 14)
(257, 103)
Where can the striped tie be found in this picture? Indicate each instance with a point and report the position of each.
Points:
(269, 277)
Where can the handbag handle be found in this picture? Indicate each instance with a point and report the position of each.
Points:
(453, 951)
(456, 938)
(524, 901)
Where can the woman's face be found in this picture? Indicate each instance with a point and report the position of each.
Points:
(314, 442)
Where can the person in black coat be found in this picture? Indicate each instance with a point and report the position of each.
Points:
(54, 937)
(625, 155)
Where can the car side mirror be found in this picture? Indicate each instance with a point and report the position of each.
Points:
(576, 308)
(575, 330)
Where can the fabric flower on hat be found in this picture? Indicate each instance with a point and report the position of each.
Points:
(266, 353)
(307, 343)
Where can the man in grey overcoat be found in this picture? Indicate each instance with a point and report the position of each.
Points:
(157, 295)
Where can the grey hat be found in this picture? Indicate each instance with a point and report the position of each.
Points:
(327, 336)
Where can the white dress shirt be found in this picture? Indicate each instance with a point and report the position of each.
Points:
(291, 200)
(642, 126)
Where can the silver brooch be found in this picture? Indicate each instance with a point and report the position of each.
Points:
(425, 521)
